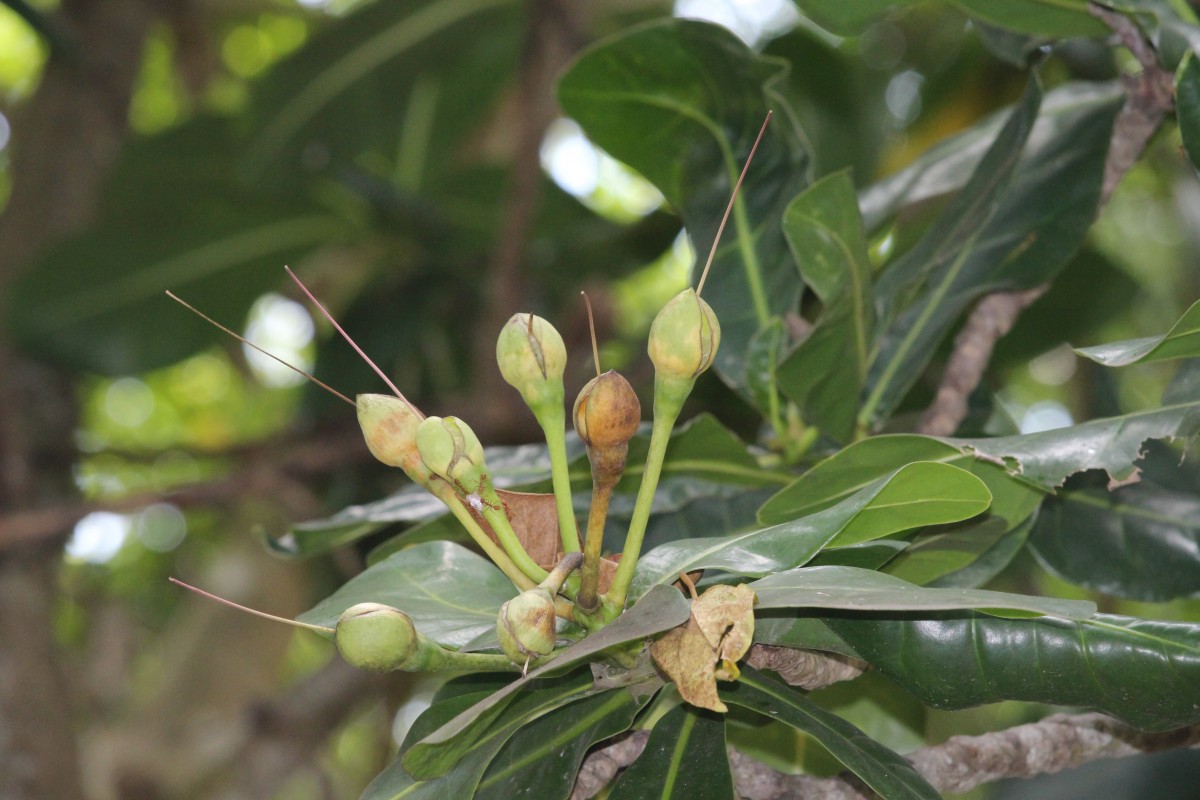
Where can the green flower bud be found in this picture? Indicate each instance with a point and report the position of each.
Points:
(607, 412)
(451, 450)
(375, 637)
(389, 426)
(526, 626)
(684, 337)
(532, 357)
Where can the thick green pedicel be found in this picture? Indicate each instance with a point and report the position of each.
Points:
(683, 343)
(532, 357)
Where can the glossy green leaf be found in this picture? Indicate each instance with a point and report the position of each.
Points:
(682, 101)
(859, 465)
(947, 165)
(991, 562)
(915, 495)
(451, 594)
(799, 631)
(657, 611)
(373, 80)
(1013, 226)
(938, 555)
(762, 366)
(1112, 444)
(1057, 18)
(1145, 673)
(882, 769)
(547, 697)
(542, 759)
(826, 371)
(1187, 106)
(684, 759)
(853, 589)
(1185, 385)
(1182, 341)
(1139, 541)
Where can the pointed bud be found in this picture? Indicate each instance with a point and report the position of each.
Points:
(532, 357)
(684, 337)
(376, 637)
(526, 626)
(451, 450)
(389, 426)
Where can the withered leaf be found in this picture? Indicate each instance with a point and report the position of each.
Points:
(685, 657)
(725, 615)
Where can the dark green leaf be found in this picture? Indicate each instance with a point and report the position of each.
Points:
(377, 79)
(880, 768)
(825, 373)
(542, 759)
(682, 102)
(1014, 226)
(938, 555)
(853, 589)
(1185, 385)
(862, 463)
(1057, 18)
(545, 697)
(947, 165)
(659, 610)
(847, 19)
(684, 758)
(915, 495)
(96, 301)
(1140, 541)
(452, 595)
(1182, 341)
(1145, 673)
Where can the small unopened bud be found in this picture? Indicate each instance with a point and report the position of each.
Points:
(526, 625)
(389, 426)
(532, 357)
(607, 412)
(451, 450)
(684, 337)
(376, 637)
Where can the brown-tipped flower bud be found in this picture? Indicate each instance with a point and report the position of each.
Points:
(376, 637)
(607, 412)
(526, 626)
(532, 357)
(684, 337)
(389, 426)
(451, 450)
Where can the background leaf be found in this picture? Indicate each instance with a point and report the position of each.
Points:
(1182, 341)
(686, 118)
(826, 371)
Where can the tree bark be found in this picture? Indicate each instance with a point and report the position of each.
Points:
(64, 142)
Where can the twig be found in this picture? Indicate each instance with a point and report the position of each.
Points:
(1058, 742)
(1148, 97)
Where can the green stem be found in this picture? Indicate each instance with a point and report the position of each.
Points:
(444, 492)
(493, 512)
(589, 581)
(553, 421)
(437, 658)
(668, 402)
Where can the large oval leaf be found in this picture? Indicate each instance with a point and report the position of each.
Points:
(854, 589)
(452, 594)
(682, 101)
(1145, 673)
(918, 494)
